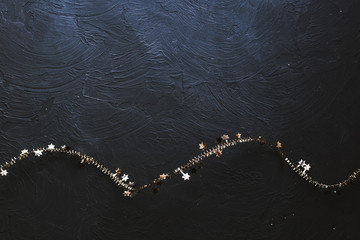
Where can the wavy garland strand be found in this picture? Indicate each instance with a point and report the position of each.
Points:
(223, 142)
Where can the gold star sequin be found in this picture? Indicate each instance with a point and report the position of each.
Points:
(24, 152)
(163, 176)
(186, 176)
(225, 137)
(3, 172)
(51, 147)
(218, 153)
(238, 135)
(278, 145)
(38, 152)
(202, 145)
(127, 193)
(124, 177)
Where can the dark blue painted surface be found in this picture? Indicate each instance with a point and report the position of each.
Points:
(138, 84)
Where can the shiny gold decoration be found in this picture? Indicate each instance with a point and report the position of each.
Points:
(225, 137)
(218, 153)
(163, 176)
(202, 146)
(302, 168)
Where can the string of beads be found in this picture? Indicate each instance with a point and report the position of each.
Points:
(223, 142)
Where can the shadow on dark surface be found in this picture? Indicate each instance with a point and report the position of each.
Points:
(138, 85)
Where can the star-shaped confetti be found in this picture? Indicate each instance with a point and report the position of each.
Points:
(63, 147)
(278, 145)
(307, 167)
(163, 176)
(51, 146)
(186, 176)
(38, 153)
(218, 153)
(238, 135)
(301, 163)
(3, 172)
(118, 171)
(225, 137)
(202, 145)
(124, 177)
(25, 151)
(127, 193)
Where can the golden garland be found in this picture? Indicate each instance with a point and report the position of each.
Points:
(223, 142)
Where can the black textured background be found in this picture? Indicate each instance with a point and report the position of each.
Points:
(139, 84)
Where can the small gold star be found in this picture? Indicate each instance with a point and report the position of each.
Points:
(225, 137)
(124, 177)
(163, 176)
(307, 167)
(51, 146)
(202, 145)
(3, 172)
(23, 152)
(218, 153)
(186, 176)
(38, 152)
(278, 145)
(127, 193)
(238, 135)
(118, 172)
